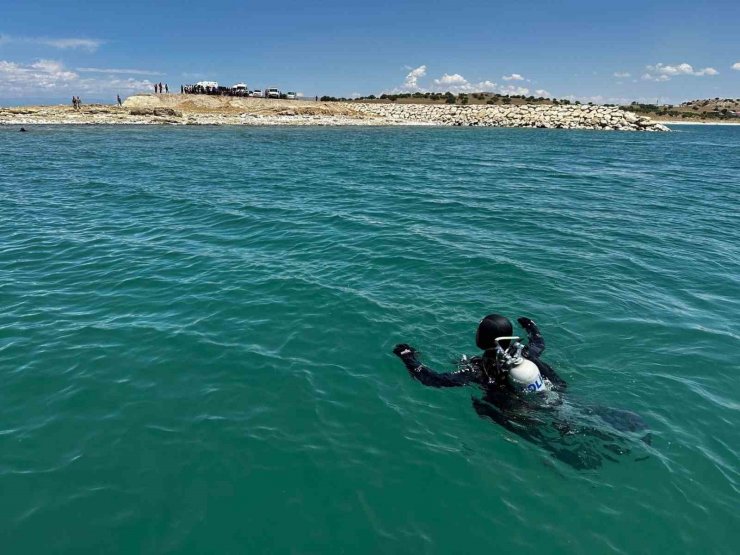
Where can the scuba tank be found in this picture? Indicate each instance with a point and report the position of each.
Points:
(523, 374)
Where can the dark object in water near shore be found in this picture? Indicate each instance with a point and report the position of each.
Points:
(23, 130)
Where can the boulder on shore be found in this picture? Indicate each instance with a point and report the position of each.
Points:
(522, 115)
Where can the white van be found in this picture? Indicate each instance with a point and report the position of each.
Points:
(273, 93)
(257, 93)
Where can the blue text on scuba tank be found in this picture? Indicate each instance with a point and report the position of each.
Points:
(534, 386)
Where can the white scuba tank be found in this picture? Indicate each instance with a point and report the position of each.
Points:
(526, 377)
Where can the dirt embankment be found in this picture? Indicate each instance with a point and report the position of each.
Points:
(197, 104)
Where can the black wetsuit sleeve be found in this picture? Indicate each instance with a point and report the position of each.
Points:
(536, 344)
(427, 376)
(535, 347)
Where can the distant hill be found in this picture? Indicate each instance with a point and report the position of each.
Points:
(449, 98)
(710, 109)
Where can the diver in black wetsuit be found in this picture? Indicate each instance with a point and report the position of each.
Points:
(485, 370)
(524, 405)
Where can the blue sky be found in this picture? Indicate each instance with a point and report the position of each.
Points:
(604, 52)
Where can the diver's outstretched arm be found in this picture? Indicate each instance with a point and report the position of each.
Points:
(536, 343)
(426, 376)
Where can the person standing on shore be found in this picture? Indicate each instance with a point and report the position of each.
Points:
(166, 88)
(74, 102)
(155, 88)
(79, 103)
(118, 99)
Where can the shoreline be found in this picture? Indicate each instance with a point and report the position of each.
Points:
(284, 121)
(266, 122)
(177, 109)
(725, 123)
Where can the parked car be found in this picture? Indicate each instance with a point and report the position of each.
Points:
(273, 93)
(257, 93)
(291, 95)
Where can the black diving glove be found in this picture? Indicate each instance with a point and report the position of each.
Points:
(527, 323)
(404, 351)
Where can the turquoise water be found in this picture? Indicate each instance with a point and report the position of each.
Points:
(197, 322)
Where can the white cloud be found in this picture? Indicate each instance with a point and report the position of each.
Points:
(412, 79)
(649, 77)
(736, 66)
(454, 80)
(90, 45)
(621, 74)
(663, 72)
(85, 44)
(485, 86)
(114, 71)
(49, 78)
(542, 92)
(672, 70)
(513, 90)
(456, 83)
(513, 77)
(39, 76)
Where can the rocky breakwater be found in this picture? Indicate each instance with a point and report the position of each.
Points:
(175, 109)
(524, 115)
